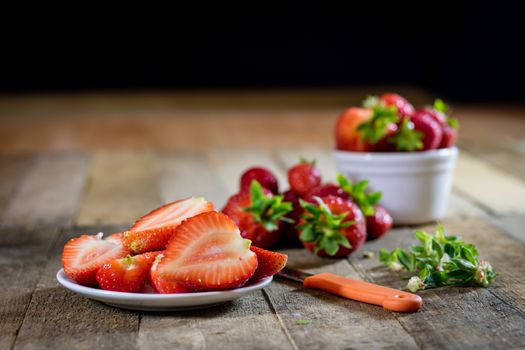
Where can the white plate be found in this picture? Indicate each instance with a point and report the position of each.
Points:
(160, 302)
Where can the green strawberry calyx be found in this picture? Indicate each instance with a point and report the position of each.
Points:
(365, 201)
(407, 138)
(323, 228)
(376, 127)
(267, 210)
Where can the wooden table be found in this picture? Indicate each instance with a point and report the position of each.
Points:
(72, 164)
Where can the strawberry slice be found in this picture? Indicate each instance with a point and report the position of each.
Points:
(153, 231)
(84, 255)
(207, 253)
(268, 263)
(127, 274)
(116, 238)
(163, 286)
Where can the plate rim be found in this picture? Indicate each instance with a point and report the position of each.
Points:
(67, 283)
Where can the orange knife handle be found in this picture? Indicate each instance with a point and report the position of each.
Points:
(391, 299)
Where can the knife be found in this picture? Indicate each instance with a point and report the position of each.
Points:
(391, 299)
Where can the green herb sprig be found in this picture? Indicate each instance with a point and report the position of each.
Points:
(440, 260)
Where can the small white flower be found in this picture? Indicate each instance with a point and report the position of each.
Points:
(414, 284)
(396, 267)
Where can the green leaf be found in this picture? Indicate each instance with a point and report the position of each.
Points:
(267, 210)
(302, 322)
(453, 123)
(323, 228)
(440, 106)
(365, 201)
(440, 260)
(371, 102)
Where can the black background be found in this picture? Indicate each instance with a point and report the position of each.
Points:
(463, 51)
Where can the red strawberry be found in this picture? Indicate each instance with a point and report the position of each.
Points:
(163, 286)
(438, 116)
(208, 253)
(378, 224)
(403, 107)
(303, 177)
(346, 135)
(325, 190)
(268, 263)
(289, 233)
(153, 230)
(379, 128)
(127, 274)
(264, 176)
(84, 255)
(450, 135)
(333, 227)
(431, 129)
(258, 214)
(385, 144)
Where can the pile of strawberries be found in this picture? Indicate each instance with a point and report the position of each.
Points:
(328, 219)
(389, 123)
(182, 247)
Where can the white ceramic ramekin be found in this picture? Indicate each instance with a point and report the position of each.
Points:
(415, 186)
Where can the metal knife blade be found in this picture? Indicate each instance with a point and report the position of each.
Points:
(293, 274)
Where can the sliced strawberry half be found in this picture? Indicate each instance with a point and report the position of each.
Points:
(115, 237)
(84, 255)
(127, 274)
(153, 231)
(268, 263)
(207, 253)
(163, 286)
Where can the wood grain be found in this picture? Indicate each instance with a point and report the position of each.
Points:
(492, 188)
(457, 318)
(122, 186)
(12, 170)
(59, 319)
(49, 193)
(23, 257)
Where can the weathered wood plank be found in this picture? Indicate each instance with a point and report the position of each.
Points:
(122, 186)
(186, 175)
(247, 323)
(59, 319)
(23, 256)
(514, 225)
(336, 323)
(496, 190)
(49, 192)
(229, 164)
(457, 318)
(13, 169)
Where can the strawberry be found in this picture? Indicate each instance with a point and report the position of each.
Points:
(378, 224)
(327, 189)
(450, 135)
(358, 194)
(258, 214)
(289, 234)
(84, 255)
(377, 129)
(208, 253)
(115, 237)
(127, 274)
(268, 263)
(303, 177)
(407, 139)
(431, 129)
(347, 137)
(264, 176)
(378, 220)
(333, 227)
(153, 231)
(403, 107)
(449, 125)
(163, 286)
